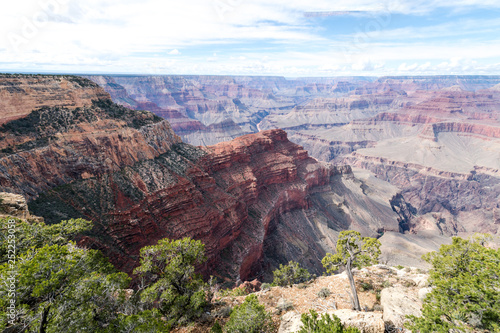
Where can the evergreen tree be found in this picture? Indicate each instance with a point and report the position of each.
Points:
(169, 279)
(59, 287)
(352, 251)
(290, 274)
(465, 296)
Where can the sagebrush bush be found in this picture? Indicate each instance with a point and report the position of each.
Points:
(290, 274)
(249, 317)
(324, 292)
(265, 286)
(284, 305)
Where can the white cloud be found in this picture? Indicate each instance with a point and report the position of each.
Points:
(405, 68)
(129, 36)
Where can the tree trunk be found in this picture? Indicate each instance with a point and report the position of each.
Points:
(43, 322)
(353, 286)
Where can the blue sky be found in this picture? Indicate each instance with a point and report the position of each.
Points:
(251, 37)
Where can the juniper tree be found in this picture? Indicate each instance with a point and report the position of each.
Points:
(465, 295)
(290, 274)
(168, 276)
(60, 287)
(352, 251)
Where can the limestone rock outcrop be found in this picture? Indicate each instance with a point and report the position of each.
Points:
(397, 305)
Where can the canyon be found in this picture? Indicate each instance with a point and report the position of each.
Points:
(435, 139)
(255, 202)
(263, 170)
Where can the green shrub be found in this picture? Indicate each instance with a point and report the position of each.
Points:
(216, 328)
(400, 267)
(290, 274)
(168, 270)
(365, 286)
(249, 317)
(324, 292)
(387, 284)
(465, 289)
(326, 324)
(265, 286)
(233, 292)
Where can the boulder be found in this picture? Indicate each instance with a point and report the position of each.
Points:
(366, 322)
(290, 322)
(250, 286)
(420, 280)
(13, 205)
(397, 304)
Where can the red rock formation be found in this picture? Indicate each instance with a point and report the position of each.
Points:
(226, 195)
(17, 91)
(255, 202)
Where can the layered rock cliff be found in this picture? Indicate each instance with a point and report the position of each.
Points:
(17, 91)
(205, 110)
(256, 201)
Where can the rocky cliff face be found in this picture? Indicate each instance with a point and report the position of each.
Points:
(256, 201)
(17, 91)
(205, 110)
(55, 146)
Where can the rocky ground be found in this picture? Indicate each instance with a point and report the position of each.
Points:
(386, 294)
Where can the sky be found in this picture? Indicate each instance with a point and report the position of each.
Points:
(291, 38)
